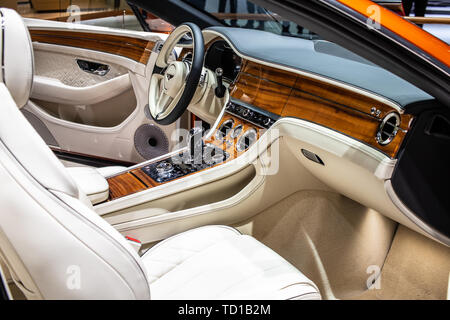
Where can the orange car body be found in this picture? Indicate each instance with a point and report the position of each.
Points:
(405, 29)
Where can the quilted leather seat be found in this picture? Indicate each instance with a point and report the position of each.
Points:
(217, 262)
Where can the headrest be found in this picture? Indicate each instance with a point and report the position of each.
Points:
(16, 56)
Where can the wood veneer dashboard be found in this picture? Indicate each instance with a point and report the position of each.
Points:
(342, 108)
(293, 95)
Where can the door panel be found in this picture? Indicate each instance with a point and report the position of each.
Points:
(64, 67)
(53, 90)
(87, 113)
(93, 114)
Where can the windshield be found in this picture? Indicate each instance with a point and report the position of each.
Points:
(246, 14)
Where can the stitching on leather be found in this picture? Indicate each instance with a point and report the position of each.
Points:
(306, 294)
(230, 287)
(240, 281)
(190, 257)
(185, 232)
(297, 283)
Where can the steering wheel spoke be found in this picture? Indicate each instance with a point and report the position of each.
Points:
(162, 103)
(173, 87)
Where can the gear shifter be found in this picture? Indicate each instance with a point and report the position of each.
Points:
(220, 89)
(195, 145)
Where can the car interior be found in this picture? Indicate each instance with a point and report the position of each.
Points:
(215, 163)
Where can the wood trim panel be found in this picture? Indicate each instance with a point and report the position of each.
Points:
(123, 185)
(137, 180)
(136, 49)
(291, 95)
(149, 182)
(261, 93)
(358, 125)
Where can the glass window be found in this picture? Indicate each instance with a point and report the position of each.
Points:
(105, 13)
(246, 14)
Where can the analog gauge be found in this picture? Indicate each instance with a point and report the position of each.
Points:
(224, 129)
(236, 131)
(246, 140)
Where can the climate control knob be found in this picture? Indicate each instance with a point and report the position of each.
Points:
(267, 121)
(164, 169)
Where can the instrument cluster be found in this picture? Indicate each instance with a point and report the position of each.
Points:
(221, 55)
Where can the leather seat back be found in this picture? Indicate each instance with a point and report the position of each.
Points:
(18, 136)
(54, 245)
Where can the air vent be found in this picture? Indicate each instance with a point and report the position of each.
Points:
(388, 128)
(158, 46)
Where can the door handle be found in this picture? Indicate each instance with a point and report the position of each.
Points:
(93, 67)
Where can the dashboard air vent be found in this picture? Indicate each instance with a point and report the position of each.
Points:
(158, 46)
(388, 128)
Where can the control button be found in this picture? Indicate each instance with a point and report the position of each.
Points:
(267, 121)
(164, 169)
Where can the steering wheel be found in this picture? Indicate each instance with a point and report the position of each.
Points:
(172, 88)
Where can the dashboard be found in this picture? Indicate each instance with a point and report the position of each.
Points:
(373, 119)
(221, 55)
(372, 114)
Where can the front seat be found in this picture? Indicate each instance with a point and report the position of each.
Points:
(56, 247)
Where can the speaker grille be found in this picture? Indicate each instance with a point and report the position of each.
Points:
(150, 141)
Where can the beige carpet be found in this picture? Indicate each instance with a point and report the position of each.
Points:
(330, 238)
(416, 268)
(338, 244)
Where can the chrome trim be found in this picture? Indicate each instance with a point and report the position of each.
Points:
(101, 72)
(266, 113)
(391, 136)
(239, 147)
(219, 130)
(233, 133)
(156, 46)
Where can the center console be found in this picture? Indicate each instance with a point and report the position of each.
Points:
(240, 127)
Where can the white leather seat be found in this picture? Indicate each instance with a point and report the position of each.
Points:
(56, 247)
(217, 262)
